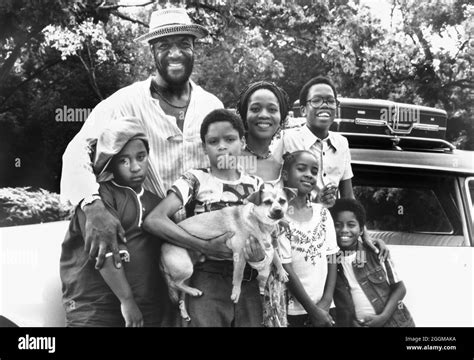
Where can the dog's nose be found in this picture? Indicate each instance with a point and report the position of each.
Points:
(278, 211)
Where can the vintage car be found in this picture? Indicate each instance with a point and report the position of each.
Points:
(418, 191)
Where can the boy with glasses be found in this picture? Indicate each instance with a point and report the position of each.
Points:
(318, 100)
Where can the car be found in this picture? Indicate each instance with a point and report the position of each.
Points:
(418, 193)
(419, 200)
(417, 189)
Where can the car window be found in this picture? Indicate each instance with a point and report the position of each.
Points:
(470, 186)
(408, 207)
(402, 209)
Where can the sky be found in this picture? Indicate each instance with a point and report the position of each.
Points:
(382, 9)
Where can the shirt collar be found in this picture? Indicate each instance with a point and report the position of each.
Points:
(309, 138)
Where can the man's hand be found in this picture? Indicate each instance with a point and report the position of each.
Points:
(253, 250)
(101, 232)
(217, 247)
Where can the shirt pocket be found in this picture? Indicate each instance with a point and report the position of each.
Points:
(378, 282)
(377, 276)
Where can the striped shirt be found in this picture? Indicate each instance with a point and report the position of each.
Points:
(172, 151)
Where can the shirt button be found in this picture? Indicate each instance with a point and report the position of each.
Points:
(324, 174)
(324, 153)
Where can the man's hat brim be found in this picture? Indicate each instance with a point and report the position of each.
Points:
(195, 30)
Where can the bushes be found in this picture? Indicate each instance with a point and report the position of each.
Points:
(21, 206)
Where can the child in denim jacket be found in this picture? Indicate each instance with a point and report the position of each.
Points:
(368, 293)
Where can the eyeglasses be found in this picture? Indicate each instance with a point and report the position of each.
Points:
(318, 101)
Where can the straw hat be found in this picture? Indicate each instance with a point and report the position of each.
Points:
(173, 21)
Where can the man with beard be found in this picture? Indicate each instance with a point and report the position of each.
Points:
(171, 108)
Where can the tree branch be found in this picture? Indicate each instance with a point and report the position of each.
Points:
(461, 48)
(128, 18)
(91, 76)
(29, 78)
(464, 83)
(115, 7)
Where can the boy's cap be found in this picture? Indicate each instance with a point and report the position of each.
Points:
(112, 140)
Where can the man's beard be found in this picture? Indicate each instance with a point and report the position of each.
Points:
(174, 81)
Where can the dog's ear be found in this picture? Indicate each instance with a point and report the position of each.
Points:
(290, 193)
(255, 198)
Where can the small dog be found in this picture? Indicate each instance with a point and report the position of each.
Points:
(259, 217)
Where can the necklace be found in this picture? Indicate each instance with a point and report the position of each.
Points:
(259, 157)
(162, 97)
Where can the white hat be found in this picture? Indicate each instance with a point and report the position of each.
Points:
(173, 21)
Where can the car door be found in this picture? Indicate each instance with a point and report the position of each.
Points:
(421, 216)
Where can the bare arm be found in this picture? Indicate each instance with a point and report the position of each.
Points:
(318, 316)
(345, 189)
(159, 223)
(117, 281)
(78, 181)
(329, 286)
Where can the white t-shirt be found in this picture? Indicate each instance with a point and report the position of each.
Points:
(306, 247)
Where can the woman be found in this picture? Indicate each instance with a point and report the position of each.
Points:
(263, 107)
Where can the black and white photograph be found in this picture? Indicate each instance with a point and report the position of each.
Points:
(249, 164)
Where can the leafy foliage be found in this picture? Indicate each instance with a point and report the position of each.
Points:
(75, 53)
(21, 206)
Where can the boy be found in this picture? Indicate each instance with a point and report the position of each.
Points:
(318, 101)
(200, 190)
(367, 292)
(131, 295)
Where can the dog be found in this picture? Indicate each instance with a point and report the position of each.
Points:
(259, 217)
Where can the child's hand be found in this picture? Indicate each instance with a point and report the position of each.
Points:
(373, 321)
(218, 247)
(328, 195)
(377, 245)
(320, 317)
(323, 305)
(253, 250)
(131, 314)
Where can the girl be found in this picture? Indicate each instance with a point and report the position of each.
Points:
(307, 247)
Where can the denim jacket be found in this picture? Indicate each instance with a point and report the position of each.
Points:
(373, 280)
